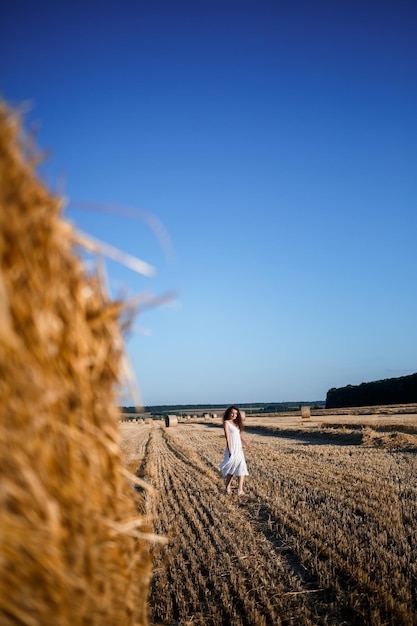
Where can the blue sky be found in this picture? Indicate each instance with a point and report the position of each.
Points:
(277, 144)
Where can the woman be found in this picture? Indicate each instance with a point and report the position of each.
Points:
(234, 463)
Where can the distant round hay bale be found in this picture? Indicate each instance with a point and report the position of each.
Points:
(171, 420)
(149, 420)
(73, 547)
(305, 412)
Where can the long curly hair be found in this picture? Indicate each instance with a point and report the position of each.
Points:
(227, 416)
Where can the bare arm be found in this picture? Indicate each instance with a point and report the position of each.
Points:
(245, 443)
(227, 435)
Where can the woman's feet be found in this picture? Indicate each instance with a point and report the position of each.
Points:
(228, 492)
(228, 486)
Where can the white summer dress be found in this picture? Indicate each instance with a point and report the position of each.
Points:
(235, 463)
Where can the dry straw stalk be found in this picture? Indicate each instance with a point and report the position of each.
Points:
(73, 547)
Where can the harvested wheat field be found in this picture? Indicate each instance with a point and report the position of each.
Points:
(326, 533)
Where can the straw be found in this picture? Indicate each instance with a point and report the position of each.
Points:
(73, 547)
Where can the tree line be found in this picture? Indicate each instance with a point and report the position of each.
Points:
(249, 408)
(401, 390)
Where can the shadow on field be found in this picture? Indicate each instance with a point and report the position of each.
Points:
(320, 436)
(338, 437)
(403, 439)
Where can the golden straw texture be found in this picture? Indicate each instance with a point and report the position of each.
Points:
(73, 548)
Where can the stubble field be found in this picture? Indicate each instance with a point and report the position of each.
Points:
(325, 534)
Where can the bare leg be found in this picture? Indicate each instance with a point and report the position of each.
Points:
(240, 480)
(227, 483)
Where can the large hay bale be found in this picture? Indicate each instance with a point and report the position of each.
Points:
(171, 420)
(72, 545)
(305, 412)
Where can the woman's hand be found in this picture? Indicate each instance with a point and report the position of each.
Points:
(245, 443)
